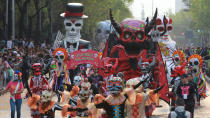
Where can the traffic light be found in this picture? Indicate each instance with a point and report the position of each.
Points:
(198, 30)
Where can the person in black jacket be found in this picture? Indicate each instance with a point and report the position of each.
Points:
(186, 91)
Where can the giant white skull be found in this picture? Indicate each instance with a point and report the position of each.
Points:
(73, 27)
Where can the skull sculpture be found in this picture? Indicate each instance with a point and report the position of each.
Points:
(37, 69)
(163, 27)
(195, 62)
(73, 24)
(73, 27)
(103, 30)
(46, 96)
(77, 80)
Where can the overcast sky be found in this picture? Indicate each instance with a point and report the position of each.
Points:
(162, 5)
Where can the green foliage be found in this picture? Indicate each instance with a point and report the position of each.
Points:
(97, 10)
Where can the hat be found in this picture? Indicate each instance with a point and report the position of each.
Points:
(74, 10)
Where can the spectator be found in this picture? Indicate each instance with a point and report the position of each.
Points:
(15, 87)
(9, 44)
(179, 112)
(95, 78)
(187, 92)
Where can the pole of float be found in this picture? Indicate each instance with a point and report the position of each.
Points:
(13, 19)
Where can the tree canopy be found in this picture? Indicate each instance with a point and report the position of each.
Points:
(39, 19)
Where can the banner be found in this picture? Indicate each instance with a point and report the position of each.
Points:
(83, 56)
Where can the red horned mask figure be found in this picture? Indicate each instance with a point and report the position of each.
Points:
(37, 69)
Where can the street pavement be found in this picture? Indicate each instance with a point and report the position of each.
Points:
(162, 112)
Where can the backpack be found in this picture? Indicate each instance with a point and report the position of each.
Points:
(180, 114)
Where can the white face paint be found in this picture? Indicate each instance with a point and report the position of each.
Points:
(73, 27)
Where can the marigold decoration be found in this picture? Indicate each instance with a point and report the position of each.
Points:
(198, 57)
(63, 50)
(181, 56)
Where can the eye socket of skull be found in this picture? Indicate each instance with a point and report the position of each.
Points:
(68, 24)
(140, 35)
(176, 59)
(191, 64)
(98, 30)
(107, 32)
(196, 63)
(160, 29)
(62, 57)
(56, 57)
(169, 28)
(78, 24)
(127, 34)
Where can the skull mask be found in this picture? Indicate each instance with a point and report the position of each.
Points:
(195, 62)
(77, 80)
(17, 75)
(146, 66)
(132, 82)
(46, 96)
(176, 59)
(59, 56)
(73, 27)
(37, 69)
(85, 91)
(160, 27)
(115, 85)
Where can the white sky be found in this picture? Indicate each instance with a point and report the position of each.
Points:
(162, 5)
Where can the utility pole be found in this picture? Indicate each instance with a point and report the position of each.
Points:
(6, 20)
(13, 19)
(152, 7)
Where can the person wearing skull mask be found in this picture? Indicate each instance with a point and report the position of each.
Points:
(195, 67)
(38, 82)
(179, 69)
(15, 87)
(73, 23)
(114, 103)
(46, 107)
(138, 109)
(84, 107)
(61, 77)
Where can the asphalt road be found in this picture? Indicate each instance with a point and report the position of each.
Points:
(201, 112)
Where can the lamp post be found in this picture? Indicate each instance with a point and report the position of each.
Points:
(13, 19)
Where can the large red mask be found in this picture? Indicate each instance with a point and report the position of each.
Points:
(37, 69)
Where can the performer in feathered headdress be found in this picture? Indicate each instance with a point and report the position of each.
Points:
(61, 74)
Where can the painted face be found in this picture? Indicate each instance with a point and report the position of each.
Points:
(115, 85)
(73, 27)
(37, 69)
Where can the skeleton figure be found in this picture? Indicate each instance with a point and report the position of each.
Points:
(146, 71)
(103, 30)
(61, 75)
(73, 24)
